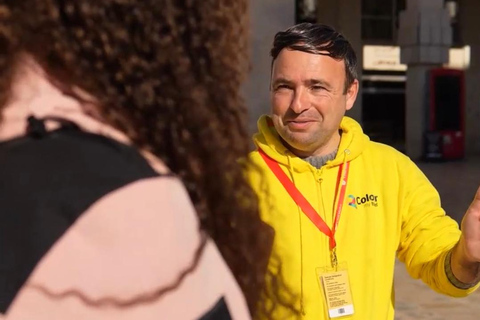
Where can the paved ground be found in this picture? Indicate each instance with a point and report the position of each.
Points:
(456, 183)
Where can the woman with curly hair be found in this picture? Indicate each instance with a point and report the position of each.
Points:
(109, 111)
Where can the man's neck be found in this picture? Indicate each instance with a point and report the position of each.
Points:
(320, 161)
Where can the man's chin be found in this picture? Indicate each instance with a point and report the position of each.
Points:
(299, 138)
(299, 145)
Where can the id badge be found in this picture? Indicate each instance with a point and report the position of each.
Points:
(335, 284)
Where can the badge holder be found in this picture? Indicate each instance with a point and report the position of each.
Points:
(335, 284)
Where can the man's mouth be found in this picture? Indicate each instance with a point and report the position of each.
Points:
(299, 124)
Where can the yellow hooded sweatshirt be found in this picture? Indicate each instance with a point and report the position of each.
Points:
(390, 210)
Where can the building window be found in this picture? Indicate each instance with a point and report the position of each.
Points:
(380, 19)
(452, 8)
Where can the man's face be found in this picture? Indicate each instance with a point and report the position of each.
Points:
(308, 100)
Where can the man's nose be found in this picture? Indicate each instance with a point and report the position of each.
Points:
(300, 101)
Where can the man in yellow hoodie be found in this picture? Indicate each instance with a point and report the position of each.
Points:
(343, 207)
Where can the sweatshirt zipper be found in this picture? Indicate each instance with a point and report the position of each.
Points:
(321, 211)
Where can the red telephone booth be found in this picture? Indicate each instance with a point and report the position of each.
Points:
(447, 111)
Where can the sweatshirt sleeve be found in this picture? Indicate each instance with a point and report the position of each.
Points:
(427, 233)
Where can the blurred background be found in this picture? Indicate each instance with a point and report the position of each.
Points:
(419, 67)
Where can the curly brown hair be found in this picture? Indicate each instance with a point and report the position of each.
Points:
(167, 73)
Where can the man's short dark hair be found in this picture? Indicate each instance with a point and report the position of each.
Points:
(318, 39)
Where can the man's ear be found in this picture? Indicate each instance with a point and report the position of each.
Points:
(352, 92)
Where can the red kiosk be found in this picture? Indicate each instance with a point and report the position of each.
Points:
(446, 115)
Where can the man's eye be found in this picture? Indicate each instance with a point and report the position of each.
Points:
(282, 86)
(316, 88)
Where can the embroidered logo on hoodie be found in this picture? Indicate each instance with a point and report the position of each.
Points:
(368, 200)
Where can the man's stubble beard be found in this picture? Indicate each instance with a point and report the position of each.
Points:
(306, 144)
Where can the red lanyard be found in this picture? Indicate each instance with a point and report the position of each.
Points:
(303, 203)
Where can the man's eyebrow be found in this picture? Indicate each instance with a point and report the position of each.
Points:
(282, 80)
